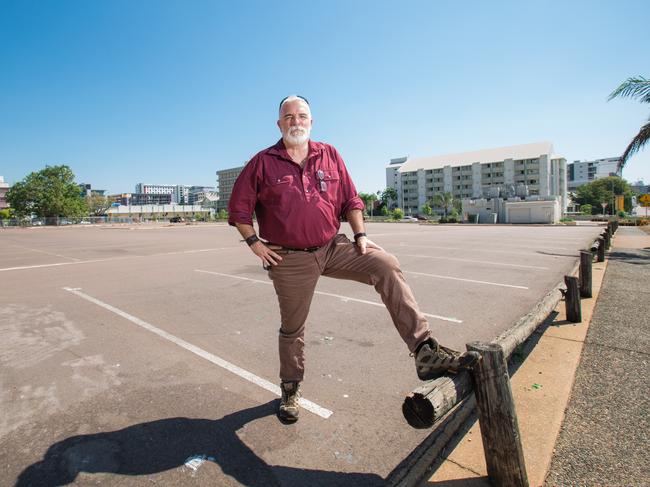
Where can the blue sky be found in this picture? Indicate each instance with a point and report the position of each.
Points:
(171, 91)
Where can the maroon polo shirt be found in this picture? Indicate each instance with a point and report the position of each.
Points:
(295, 207)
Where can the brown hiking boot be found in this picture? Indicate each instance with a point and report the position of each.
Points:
(433, 360)
(289, 407)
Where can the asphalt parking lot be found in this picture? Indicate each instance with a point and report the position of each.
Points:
(148, 354)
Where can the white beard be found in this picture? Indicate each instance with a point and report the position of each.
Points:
(299, 136)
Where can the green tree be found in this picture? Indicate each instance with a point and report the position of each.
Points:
(638, 88)
(444, 201)
(586, 209)
(388, 197)
(368, 201)
(50, 192)
(603, 191)
(97, 204)
(222, 215)
(426, 209)
(5, 213)
(397, 214)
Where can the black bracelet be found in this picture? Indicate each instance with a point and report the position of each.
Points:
(357, 236)
(251, 240)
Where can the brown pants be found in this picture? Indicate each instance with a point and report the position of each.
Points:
(295, 280)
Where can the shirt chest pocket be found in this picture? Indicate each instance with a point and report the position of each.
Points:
(327, 182)
(276, 189)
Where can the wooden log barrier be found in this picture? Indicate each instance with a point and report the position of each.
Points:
(572, 300)
(608, 239)
(601, 250)
(424, 406)
(586, 258)
(504, 456)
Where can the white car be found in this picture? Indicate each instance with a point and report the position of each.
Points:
(409, 219)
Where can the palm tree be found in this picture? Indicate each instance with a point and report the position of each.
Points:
(638, 88)
(443, 200)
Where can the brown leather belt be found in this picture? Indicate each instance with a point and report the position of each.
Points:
(308, 249)
(273, 246)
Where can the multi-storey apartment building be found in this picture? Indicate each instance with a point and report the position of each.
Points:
(180, 192)
(131, 199)
(225, 181)
(520, 170)
(583, 172)
(4, 187)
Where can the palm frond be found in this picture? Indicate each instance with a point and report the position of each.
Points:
(638, 88)
(637, 143)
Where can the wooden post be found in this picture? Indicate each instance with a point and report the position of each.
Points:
(504, 455)
(572, 300)
(601, 249)
(608, 239)
(585, 273)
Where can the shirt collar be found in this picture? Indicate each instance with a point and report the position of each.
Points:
(279, 149)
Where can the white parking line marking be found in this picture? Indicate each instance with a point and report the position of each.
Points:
(343, 298)
(56, 264)
(90, 261)
(47, 253)
(465, 249)
(465, 280)
(476, 261)
(244, 374)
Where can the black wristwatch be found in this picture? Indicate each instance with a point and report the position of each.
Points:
(357, 236)
(251, 240)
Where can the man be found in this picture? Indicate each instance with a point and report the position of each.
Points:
(299, 190)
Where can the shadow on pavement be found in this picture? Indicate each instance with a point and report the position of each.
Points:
(165, 444)
(631, 257)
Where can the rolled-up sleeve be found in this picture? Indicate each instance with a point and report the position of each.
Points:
(244, 195)
(349, 197)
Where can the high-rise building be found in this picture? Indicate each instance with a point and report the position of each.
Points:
(4, 187)
(583, 172)
(180, 192)
(198, 193)
(225, 181)
(520, 170)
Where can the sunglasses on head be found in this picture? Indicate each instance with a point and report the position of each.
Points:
(296, 96)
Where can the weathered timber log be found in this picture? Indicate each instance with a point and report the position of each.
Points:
(594, 246)
(601, 250)
(608, 239)
(572, 300)
(432, 400)
(504, 456)
(586, 259)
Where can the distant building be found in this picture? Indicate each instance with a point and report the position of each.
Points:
(180, 192)
(225, 181)
(528, 170)
(142, 188)
(198, 193)
(393, 175)
(128, 199)
(87, 190)
(640, 187)
(4, 187)
(127, 213)
(583, 172)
